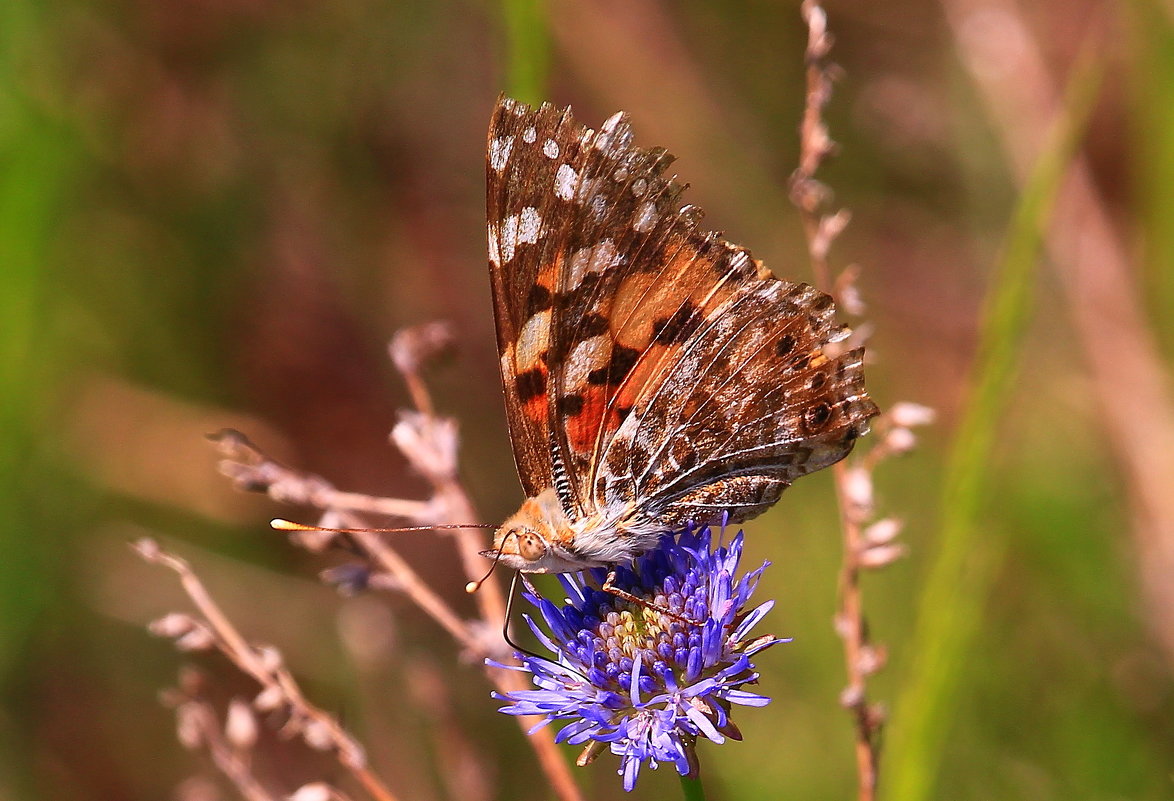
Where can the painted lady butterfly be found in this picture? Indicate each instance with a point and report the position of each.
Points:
(654, 374)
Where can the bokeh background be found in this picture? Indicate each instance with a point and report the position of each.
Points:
(216, 213)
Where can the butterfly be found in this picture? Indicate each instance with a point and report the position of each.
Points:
(655, 375)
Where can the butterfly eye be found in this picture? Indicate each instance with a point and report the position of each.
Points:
(530, 546)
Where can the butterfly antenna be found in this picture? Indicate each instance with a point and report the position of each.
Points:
(473, 586)
(280, 524)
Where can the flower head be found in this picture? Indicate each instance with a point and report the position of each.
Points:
(648, 679)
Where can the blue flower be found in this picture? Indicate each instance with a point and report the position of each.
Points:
(632, 677)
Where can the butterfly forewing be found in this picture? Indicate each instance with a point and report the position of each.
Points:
(520, 189)
(571, 214)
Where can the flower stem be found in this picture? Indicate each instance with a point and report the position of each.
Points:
(692, 790)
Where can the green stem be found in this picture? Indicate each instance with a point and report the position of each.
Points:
(959, 581)
(527, 49)
(691, 788)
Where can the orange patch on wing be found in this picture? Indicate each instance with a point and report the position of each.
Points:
(583, 426)
(530, 389)
(688, 277)
(640, 376)
(535, 408)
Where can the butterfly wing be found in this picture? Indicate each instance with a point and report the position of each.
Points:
(756, 399)
(570, 218)
(645, 362)
(518, 190)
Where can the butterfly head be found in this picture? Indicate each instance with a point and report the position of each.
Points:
(538, 538)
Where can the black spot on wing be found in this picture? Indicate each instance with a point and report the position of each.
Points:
(577, 303)
(539, 299)
(591, 326)
(530, 384)
(622, 361)
(678, 327)
(818, 415)
(570, 405)
(820, 303)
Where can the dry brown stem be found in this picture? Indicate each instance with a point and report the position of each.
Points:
(264, 664)
(808, 194)
(201, 729)
(466, 775)
(430, 444)
(867, 543)
(250, 468)
(1007, 64)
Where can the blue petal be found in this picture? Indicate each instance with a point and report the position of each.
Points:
(542, 638)
(572, 588)
(693, 666)
(634, 684)
(743, 698)
(704, 724)
(630, 768)
(766, 644)
(751, 619)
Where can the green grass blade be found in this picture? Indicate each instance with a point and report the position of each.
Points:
(527, 50)
(1151, 50)
(37, 158)
(960, 575)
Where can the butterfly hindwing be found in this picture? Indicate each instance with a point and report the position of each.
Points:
(758, 401)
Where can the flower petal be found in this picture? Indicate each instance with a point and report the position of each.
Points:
(623, 676)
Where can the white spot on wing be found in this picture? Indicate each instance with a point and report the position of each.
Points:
(550, 148)
(615, 131)
(580, 264)
(599, 206)
(509, 237)
(529, 135)
(639, 187)
(587, 187)
(530, 225)
(565, 181)
(533, 340)
(645, 217)
(591, 354)
(494, 252)
(606, 255)
(499, 152)
(596, 259)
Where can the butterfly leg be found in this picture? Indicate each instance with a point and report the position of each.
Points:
(609, 587)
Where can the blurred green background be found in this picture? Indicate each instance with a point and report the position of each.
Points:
(216, 212)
